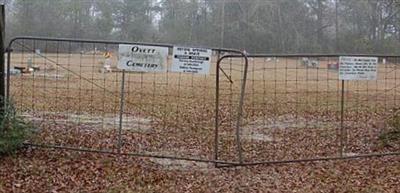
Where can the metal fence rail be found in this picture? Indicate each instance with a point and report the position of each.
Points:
(250, 109)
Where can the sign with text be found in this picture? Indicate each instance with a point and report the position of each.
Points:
(191, 60)
(142, 58)
(358, 68)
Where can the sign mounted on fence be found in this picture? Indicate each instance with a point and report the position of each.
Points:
(358, 68)
(142, 58)
(191, 60)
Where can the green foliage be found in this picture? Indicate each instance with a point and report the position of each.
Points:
(392, 137)
(13, 131)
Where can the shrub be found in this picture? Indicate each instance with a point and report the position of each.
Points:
(13, 130)
(392, 136)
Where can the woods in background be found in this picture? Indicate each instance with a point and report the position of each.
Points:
(258, 26)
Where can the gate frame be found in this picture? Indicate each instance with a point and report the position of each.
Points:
(9, 51)
(342, 132)
(3, 102)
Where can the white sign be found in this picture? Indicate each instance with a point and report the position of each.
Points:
(142, 58)
(358, 68)
(191, 60)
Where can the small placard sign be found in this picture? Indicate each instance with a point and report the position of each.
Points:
(358, 68)
(191, 60)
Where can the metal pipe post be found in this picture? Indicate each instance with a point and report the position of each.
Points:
(216, 140)
(342, 132)
(121, 111)
(240, 111)
(2, 62)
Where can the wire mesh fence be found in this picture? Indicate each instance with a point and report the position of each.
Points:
(61, 86)
(248, 110)
(296, 108)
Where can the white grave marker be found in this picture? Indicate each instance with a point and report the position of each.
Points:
(142, 58)
(358, 68)
(191, 60)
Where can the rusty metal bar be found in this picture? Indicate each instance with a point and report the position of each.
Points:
(311, 160)
(240, 107)
(342, 132)
(121, 111)
(144, 155)
(240, 111)
(216, 129)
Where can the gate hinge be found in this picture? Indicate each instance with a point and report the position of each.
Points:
(9, 49)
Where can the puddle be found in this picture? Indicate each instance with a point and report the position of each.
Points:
(262, 129)
(171, 164)
(349, 154)
(290, 121)
(129, 123)
(256, 136)
(180, 164)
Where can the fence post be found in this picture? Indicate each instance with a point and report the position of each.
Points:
(216, 132)
(342, 130)
(121, 112)
(240, 110)
(2, 62)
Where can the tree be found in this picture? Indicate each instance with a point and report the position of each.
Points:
(133, 20)
(273, 26)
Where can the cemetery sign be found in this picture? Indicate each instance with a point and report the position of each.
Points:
(358, 68)
(141, 58)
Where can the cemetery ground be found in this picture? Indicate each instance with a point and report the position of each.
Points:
(34, 170)
(290, 112)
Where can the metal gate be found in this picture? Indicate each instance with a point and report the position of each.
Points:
(296, 109)
(59, 85)
(250, 109)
